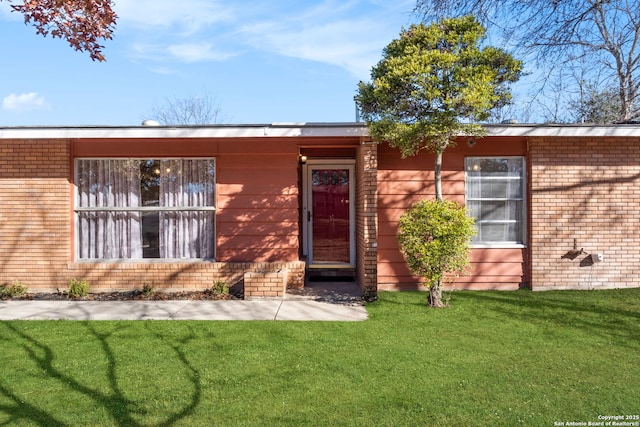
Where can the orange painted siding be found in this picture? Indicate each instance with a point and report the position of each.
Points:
(257, 218)
(258, 200)
(401, 182)
(145, 148)
(257, 190)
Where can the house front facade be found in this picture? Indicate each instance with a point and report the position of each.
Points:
(557, 207)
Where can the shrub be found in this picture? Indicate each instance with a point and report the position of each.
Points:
(220, 287)
(78, 288)
(147, 290)
(434, 238)
(14, 290)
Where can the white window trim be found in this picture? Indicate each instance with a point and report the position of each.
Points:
(77, 209)
(504, 245)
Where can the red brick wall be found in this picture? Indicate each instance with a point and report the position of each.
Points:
(173, 276)
(587, 190)
(402, 182)
(35, 219)
(366, 216)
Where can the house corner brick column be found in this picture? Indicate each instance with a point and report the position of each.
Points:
(367, 216)
(35, 219)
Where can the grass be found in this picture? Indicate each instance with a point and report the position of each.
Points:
(492, 359)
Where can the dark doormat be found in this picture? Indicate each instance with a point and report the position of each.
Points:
(331, 279)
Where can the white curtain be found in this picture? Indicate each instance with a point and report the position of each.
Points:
(494, 191)
(187, 183)
(107, 234)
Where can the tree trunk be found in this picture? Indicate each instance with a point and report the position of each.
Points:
(438, 175)
(435, 296)
(435, 293)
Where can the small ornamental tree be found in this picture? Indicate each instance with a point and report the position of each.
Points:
(433, 84)
(434, 238)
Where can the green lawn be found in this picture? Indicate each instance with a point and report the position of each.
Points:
(492, 359)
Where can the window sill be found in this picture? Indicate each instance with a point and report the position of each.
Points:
(498, 246)
(144, 261)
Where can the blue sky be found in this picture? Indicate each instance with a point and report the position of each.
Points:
(262, 61)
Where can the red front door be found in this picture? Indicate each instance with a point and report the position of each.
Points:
(330, 215)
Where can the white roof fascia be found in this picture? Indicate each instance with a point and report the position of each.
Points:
(564, 130)
(217, 131)
(294, 130)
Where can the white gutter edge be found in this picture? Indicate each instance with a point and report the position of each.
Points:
(293, 130)
(221, 131)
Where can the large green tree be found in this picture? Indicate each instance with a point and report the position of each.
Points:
(82, 23)
(433, 84)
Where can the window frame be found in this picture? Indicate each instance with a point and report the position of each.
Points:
(77, 210)
(522, 224)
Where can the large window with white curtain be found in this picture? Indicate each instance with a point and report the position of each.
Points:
(495, 196)
(145, 208)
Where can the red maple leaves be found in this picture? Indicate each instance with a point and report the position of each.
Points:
(82, 23)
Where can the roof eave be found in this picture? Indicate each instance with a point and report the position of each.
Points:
(295, 130)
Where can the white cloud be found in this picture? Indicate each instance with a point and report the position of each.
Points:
(24, 102)
(165, 71)
(188, 15)
(195, 52)
(181, 31)
(353, 45)
(182, 52)
(350, 34)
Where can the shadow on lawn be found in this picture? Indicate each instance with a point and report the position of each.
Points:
(593, 313)
(121, 409)
(613, 315)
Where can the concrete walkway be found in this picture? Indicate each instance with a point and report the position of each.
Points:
(330, 302)
(315, 302)
(305, 310)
